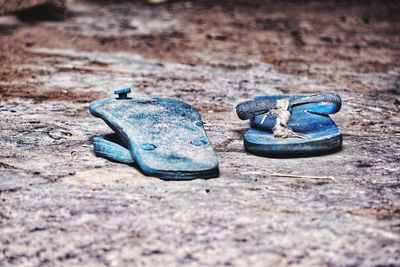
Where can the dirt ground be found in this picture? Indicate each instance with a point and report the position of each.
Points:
(62, 206)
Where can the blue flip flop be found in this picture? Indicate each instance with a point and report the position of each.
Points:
(162, 137)
(291, 125)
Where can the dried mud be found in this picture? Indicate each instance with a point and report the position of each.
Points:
(61, 205)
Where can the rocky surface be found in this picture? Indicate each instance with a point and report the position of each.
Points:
(61, 205)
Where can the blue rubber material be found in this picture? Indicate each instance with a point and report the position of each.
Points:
(112, 148)
(310, 119)
(123, 91)
(164, 137)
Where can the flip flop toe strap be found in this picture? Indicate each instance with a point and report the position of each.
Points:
(325, 103)
(282, 113)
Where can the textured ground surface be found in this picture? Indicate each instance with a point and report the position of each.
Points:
(60, 205)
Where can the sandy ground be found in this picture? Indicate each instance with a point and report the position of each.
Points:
(61, 205)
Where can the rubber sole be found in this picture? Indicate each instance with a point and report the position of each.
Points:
(164, 137)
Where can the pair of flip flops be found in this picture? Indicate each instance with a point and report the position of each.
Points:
(166, 138)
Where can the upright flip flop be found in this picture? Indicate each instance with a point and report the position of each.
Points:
(163, 137)
(290, 126)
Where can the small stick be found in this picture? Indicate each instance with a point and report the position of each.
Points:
(263, 119)
(302, 176)
(287, 175)
(93, 69)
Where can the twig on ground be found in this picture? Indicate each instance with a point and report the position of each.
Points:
(288, 175)
(93, 69)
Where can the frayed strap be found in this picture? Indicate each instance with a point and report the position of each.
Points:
(281, 129)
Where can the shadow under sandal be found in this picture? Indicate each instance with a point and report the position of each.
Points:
(162, 137)
(287, 126)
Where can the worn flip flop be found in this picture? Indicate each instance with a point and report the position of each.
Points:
(290, 126)
(164, 137)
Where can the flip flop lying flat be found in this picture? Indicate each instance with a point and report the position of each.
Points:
(290, 126)
(163, 137)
